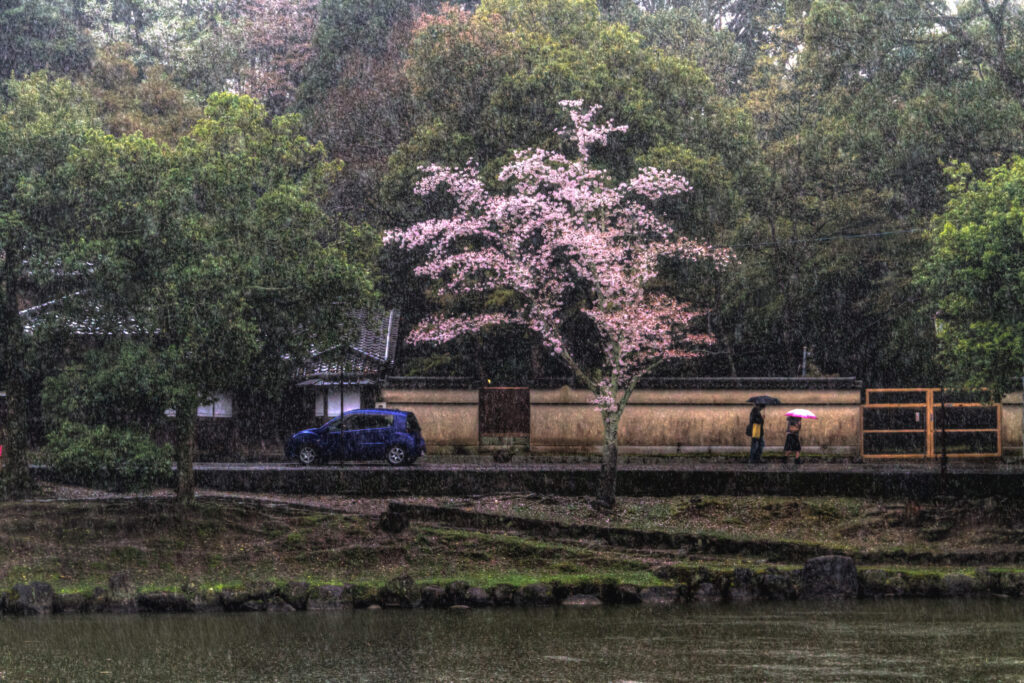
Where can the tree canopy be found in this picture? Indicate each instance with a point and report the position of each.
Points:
(574, 256)
(974, 277)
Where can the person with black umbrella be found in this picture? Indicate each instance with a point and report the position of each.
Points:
(755, 427)
(755, 430)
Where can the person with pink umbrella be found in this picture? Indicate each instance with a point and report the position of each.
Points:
(794, 418)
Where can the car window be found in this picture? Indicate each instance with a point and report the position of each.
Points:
(379, 421)
(413, 424)
(368, 421)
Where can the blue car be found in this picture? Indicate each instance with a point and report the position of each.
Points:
(390, 435)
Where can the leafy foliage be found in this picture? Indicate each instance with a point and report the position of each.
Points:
(974, 274)
(131, 99)
(487, 82)
(41, 34)
(41, 247)
(109, 458)
(120, 384)
(231, 262)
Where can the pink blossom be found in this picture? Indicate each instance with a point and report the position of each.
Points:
(565, 231)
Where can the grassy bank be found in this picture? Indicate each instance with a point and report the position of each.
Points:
(152, 545)
(847, 524)
(79, 544)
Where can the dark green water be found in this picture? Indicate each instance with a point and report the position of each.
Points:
(865, 641)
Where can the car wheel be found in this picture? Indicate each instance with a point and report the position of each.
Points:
(308, 455)
(396, 456)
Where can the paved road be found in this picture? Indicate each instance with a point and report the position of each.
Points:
(954, 467)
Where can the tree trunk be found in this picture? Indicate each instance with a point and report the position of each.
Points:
(609, 462)
(184, 452)
(15, 477)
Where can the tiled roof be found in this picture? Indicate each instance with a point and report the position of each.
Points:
(373, 350)
(378, 335)
(33, 317)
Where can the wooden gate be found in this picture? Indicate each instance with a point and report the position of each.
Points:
(505, 418)
(916, 423)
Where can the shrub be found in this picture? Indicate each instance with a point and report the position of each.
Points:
(109, 458)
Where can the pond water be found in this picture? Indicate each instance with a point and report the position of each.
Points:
(864, 641)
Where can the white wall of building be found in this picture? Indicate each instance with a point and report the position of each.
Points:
(332, 402)
(221, 407)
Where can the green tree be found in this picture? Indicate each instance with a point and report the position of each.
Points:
(226, 257)
(355, 96)
(40, 34)
(487, 82)
(40, 246)
(131, 99)
(974, 277)
(856, 106)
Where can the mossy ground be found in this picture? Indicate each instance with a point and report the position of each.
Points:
(223, 541)
(853, 524)
(79, 544)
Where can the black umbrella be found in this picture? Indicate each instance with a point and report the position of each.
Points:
(764, 400)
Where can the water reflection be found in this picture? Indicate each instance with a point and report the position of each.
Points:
(849, 642)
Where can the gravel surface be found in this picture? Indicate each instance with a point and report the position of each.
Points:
(358, 506)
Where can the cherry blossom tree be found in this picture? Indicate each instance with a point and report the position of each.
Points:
(576, 256)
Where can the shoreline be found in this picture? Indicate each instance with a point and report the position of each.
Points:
(681, 585)
(87, 551)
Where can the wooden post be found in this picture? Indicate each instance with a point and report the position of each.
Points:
(929, 425)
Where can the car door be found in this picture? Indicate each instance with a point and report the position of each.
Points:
(366, 435)
(379, 428)
(352, 435)
(333, 446)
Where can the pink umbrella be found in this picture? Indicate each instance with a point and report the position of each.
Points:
(800, 412)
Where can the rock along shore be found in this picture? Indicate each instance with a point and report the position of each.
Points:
(829, 577)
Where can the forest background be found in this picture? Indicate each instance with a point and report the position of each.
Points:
(829, 144)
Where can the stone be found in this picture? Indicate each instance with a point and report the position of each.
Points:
(582, 600)
(329, 597)
(775, 585)
(163, 601)
(988, 581)
(27, 599)
(923, 585)
(503, 594)
(659, 595)
(673, 572)
(364, 596)
(399, 592)
(743, 587)
(456, 592)
(393, 522)
(80, 602)
(1011, 583)
(478, 597)
(433, 596)
(628, 594)
(296, 594)
(535, 594)
(874, 583)
(829, 577)
(278, 604)
(959, 586)
(707, 592)
(250, 599)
